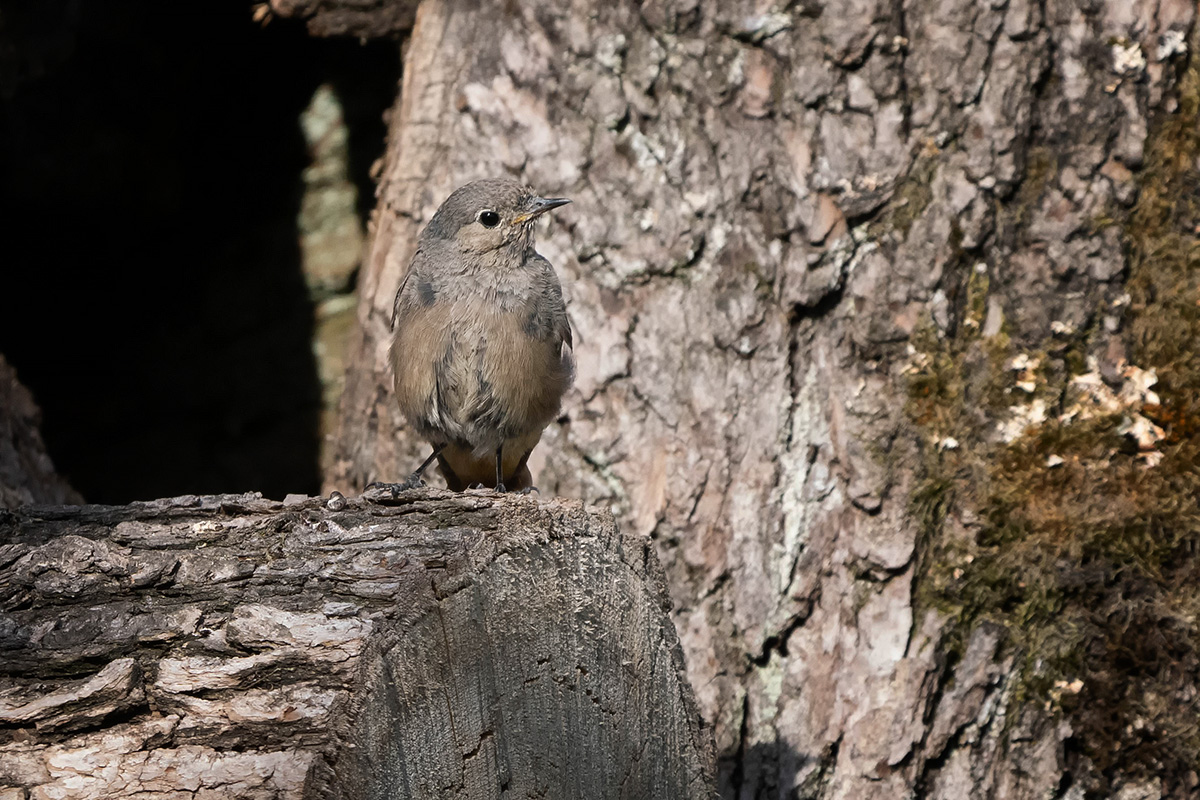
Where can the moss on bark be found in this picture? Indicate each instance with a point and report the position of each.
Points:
(1082, 544)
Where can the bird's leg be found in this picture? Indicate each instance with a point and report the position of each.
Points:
(414, 481)
(500, 469)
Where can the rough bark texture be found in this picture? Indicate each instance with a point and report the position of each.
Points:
(784, 214)
(365, 19)
(449, 646)
(26, 472)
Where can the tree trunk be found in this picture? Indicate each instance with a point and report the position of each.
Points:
(447, 646)
(868, 299)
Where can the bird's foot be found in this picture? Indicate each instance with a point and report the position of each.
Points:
(530, 490)
(413, 482)
(500, 488)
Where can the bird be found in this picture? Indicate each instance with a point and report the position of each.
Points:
(482, 350)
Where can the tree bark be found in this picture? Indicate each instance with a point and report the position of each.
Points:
(445, 646)
(790, 220)
(366, 19)
(26, 473)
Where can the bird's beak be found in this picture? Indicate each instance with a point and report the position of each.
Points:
(538, 206)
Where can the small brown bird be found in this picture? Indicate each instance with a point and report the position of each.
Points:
(482, 343)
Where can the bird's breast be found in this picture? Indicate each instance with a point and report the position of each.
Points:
(478, 372)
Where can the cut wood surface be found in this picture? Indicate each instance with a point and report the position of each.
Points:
(451, 646)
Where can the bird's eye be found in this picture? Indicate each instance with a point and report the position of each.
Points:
(489, 219)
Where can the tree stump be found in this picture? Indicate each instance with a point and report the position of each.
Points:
(443, 645)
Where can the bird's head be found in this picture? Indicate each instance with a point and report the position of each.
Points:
(489, 214)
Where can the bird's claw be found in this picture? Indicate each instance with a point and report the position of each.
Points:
(413, 482)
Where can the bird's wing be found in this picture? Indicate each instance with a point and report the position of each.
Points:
(550, 294)
(413, 266)
(562, 326)
(399, 294)
(422, 335)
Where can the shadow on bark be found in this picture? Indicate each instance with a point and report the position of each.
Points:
(759, 771)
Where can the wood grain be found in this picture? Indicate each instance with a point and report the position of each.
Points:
(446, 646)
